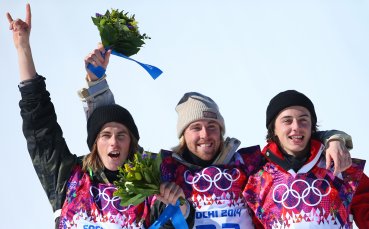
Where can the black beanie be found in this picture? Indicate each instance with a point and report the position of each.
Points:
(287, 99)
(110, 113)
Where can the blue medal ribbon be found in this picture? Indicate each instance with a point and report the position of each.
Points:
(100, 71)
(172, 212)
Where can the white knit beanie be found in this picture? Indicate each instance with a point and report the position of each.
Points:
(194, 106)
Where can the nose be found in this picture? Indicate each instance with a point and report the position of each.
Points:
(203, 132)
(113, 140)
(295, 124)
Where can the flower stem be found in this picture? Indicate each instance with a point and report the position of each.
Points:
(182, 201)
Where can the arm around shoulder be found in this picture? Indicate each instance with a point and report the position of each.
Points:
(329, 135)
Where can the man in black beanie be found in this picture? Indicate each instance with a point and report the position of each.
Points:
(294, 181)
(287, 99)
(81, 193)
(111, 120)
(109, 113)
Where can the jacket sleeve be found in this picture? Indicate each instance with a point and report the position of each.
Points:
(360, 203)
(325, 136)
(47, 148)
(96, 94)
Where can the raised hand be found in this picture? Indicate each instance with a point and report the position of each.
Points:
(98, 57)
(21, 33)
(21, 29)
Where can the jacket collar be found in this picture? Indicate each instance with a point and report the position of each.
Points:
(272, 153)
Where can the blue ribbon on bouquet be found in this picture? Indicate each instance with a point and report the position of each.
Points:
(172, 212)
(100, 71)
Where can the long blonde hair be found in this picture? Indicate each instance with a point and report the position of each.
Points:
(92, 160)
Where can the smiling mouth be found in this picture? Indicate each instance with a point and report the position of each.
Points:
(205, 145)
(114, 154)
(296, 137)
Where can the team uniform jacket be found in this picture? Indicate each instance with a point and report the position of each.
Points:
(215, 191)
(208, 213)
(81, 199)
(93, 203)
(311, 198)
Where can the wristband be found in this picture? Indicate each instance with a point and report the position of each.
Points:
(336, 138)
(93, 90)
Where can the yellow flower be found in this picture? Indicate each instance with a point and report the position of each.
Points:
(138, 176)
(127, 168)
(130, 175)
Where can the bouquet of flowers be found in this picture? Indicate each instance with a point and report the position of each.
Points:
(119, 32)
(139, 178)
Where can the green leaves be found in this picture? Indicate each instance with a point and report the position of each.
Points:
(139, 178)
(119, 32)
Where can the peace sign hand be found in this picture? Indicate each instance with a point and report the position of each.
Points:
(21, 29)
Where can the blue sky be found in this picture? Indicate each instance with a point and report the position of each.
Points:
(240, 53)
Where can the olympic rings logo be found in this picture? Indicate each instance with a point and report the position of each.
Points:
(99, 195)
(311, 195)
(212, 178)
